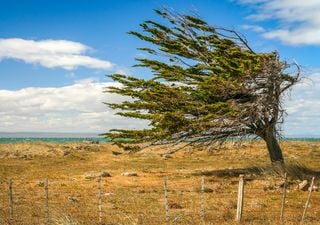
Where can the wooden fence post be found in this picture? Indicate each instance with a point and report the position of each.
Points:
(307, 202)
(283, 197)
(240, 198)
(99, 200)
(10, 202)
(166, 203)
(46, 202)
(202, 209)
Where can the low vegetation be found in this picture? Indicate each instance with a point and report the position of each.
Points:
(72, 170)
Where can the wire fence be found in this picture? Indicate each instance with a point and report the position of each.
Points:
(178, 200)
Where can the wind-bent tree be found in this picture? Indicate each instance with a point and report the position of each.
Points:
(208, 85)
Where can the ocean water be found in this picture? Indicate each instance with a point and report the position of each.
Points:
(7, 138)
(22, 137)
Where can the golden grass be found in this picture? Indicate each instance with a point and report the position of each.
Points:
(140, 200)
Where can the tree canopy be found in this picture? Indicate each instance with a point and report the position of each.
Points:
(208, 85)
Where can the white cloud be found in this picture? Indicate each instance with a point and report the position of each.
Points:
(303, 108)
(87, 80)
(298, 21)
(79, 108)
(74, 108)
(50, 53)
(122, 71)
(254, 28)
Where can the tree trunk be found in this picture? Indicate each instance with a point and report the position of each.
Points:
(275, 152)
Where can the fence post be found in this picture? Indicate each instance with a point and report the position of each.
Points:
(240, 198)
(46, 202)
(307, 202)
(202, 209)
(99, 200)
(166, 203)
(283, 197)
(10, 202)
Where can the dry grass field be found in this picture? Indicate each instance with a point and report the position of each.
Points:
(72, 171)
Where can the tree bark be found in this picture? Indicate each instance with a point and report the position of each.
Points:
(275, 152)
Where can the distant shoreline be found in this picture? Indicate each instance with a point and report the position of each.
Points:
(97, 139)
(57, 140)
(47, 135)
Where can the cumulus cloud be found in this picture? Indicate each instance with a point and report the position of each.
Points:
(87, 80)
(50, 53)
(79, 108)
(254, 28)
(74, 108)
(298, 21)
(303, 108)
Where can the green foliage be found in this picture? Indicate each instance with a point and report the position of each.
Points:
(206, 84)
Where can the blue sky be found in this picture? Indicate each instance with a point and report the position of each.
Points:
(54, 55)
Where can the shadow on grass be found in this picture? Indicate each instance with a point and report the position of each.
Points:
(300, 171)
(231, 172)
(294, 170)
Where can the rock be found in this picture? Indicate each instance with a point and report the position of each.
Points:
(66, 152)
(208, 190)
(116, 153)
(281, 184)
(93, 175)
(73, 199)
(303, 186)
(129, 174)
(166, 156)
(104, 174)
(108, 194)
(90, 176)
(25, 157)
(314, 188)
(205, 190)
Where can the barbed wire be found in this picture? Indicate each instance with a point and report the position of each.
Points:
(136, 203)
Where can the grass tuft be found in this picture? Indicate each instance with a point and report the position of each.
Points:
(63, 220)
